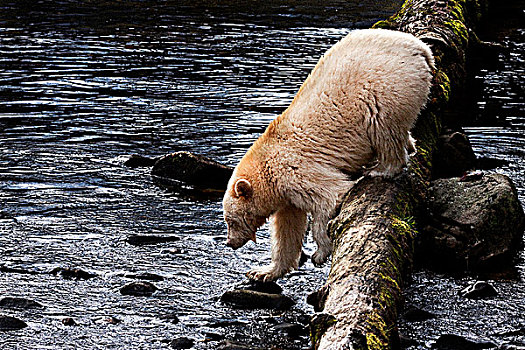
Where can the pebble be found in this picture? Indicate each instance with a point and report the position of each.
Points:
(415, 314)
(138, 289)
(68, 321)
(19, 303)
(479, 290)
(249, 299)
(137, 161)
(182, 343)
(258, 286)
(456, 342)
(144, 276)
(70, 273)
(291, 329)
(139, 240)
(9, 323)
(112, 320)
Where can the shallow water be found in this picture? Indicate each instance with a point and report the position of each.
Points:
(84, 85)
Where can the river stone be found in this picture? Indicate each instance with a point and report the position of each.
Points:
(194, 170)
(68, 321)
(70, 273)
(258, 286)
(19, 303)
(250, 299)
(9, 323)
(137, 161)
(453, 156)
(475, 222)
(293, 330)
(147, 276)
(456, 342)
(231, 345)
(138, 289)
(182, 343)
(479, 290)
(415, 314)
(139, 240)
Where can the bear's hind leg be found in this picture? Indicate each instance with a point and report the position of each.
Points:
(392, 153)
(288, 227)
(324, 244)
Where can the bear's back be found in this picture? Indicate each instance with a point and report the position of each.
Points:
(367, 69)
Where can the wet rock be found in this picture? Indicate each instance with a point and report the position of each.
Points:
(145, 276)
(249, 299)
(453, 156)
(139, 240)
(486, 163)
(182, 343)
(291, 329)
(138, 289)
(137, 161)
(19, 303)
(70, 273)
(258, 286)
(172, 318)
(456, 342)
(9, 323)
(476, 222)
(479, 290)
(406, 342)
(193, 169)
(7, 269)
(231, 345)
(227, 323)
(213, 337)
(112, 320)
(317, 299)
(414, 314)
(68, 321)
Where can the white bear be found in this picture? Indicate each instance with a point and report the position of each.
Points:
(351, 116)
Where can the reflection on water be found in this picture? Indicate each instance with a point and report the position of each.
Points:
(85, 84)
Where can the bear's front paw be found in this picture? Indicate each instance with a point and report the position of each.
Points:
(320, 257)
(265, 274)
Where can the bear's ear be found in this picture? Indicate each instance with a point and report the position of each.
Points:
(243, 188)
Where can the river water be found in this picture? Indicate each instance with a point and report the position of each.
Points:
(85, 84)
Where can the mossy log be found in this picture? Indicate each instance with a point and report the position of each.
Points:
(374, 232)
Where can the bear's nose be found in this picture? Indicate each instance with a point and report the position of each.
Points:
(232, 245)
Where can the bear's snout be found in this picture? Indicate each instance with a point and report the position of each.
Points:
(236, 243)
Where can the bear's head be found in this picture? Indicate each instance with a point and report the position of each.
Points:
(241, 213)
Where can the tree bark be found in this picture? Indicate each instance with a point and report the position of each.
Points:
(374, 232)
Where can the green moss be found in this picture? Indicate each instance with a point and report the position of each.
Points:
(390, 22)
(457, 8)
(318, 326)
(459, 28)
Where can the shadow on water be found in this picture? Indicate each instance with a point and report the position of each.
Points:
(84, 84)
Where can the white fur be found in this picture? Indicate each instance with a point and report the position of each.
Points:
(352, 115)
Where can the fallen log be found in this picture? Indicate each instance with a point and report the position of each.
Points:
(373, 235)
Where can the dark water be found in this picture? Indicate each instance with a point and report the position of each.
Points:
(85, 84)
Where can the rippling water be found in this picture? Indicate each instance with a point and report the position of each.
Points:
(84, 84)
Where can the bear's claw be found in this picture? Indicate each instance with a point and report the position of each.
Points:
(319, 258)
(264, 274)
